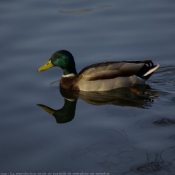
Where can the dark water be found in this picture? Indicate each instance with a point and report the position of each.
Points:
(115, 133)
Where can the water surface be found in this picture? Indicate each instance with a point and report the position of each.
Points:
(117, 134)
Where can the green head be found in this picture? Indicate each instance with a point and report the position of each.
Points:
(62, 59)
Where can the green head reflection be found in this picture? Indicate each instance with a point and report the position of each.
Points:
(63, 115)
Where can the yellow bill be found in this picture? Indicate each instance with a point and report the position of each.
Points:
(47, 109)
(46, 66)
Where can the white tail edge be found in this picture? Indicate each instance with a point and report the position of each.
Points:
(151, 70)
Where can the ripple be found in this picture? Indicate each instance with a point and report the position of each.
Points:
(164, 122)
(55, 85)
(164, 79)
(172, 137)
(166, 74)
(83, 11)
(173, 100)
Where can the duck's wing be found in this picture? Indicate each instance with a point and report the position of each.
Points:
(109, 70)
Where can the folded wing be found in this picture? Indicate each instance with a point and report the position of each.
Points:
(109, 70)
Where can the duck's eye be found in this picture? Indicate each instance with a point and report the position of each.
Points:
(56, 57)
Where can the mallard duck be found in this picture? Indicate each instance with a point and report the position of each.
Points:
(101, 76)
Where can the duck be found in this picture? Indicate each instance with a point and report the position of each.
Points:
(104, 76)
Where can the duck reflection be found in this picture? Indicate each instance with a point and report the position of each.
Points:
(63, 115)
(141, 96)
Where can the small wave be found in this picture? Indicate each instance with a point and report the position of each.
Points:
(83, 11)
(55, 85)
(164, 79)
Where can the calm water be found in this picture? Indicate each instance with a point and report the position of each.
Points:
(117, 132)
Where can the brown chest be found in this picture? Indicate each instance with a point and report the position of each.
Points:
(68, 83)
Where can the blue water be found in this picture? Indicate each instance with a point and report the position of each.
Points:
(115, 133)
